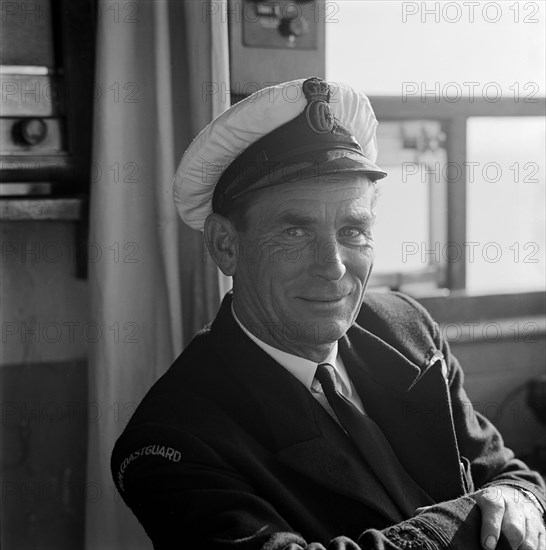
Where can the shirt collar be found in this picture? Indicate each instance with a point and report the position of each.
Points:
(303, 369)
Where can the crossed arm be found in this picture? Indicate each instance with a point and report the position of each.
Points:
(201, 502)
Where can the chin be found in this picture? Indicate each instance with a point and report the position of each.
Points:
(321, 330)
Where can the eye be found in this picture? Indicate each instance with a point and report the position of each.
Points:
(294, 232)
(355, 235)
(350, 232)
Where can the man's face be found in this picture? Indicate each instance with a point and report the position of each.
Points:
(304, 260)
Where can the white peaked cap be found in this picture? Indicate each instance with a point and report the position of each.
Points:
(235, 130)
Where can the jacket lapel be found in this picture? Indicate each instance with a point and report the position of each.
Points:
(411, 404)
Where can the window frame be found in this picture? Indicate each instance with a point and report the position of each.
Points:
(453, 116)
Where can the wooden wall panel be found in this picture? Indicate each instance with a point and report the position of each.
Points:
(496, 373)
(44, 440)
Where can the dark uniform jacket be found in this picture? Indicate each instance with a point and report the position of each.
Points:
(229, 450)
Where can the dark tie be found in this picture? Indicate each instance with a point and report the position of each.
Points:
(373, 445)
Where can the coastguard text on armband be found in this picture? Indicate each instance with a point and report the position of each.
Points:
(150, 450)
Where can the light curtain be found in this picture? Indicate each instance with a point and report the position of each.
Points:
(151, 285)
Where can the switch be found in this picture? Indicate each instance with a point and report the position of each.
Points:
(31, 131)
(293, 23)
(279, 24)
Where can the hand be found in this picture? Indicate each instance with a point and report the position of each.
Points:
(510, 511)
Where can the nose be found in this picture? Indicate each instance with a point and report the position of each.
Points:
(328, 261)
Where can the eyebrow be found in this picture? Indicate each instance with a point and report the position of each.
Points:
(362, 217)
(294, 218)
(359, 218)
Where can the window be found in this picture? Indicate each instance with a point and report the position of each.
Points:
(466, 78)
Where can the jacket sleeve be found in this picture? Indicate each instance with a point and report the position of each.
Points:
(186, 496)
(491, 463)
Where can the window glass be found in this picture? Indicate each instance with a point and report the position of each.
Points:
(412, 154)
(448, 49)
(506, 203)
(402, 222)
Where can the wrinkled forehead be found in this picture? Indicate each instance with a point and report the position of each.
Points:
(310, 198)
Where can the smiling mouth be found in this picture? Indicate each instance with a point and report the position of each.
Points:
(324, 300)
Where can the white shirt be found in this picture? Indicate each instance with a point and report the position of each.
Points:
(304, 370)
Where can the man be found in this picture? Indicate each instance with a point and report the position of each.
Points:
(301, 417)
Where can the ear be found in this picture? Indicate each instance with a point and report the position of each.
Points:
(221, 240)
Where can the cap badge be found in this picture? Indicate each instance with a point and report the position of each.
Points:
(318, 114)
